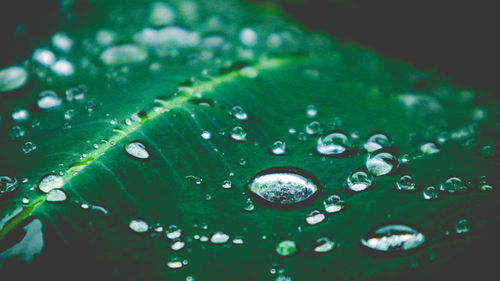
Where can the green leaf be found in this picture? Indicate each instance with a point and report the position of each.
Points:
(168, 93)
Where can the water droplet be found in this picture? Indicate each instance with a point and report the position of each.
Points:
(63, 67)
(238, 134)
(206, 135)
(284, 186)
(137, 150)
(68, 115)
(429, 148)
(313, 128)
(430, 193)
(44, 57)
(377, 141)
(12, 78)
(123, 54)
(393, 238)
(20, 115)
(486, 187)
(175, 263)
(381, 163)
(462, 226)
(333, 144)
(138, 225)
(359, 180)
(161, 14)
(311, 111)
(177, 245)
(76, 93)
(49, 182)
(173, 232)
(105, 37)
(323, 245)
(248, 37)
(17, 132)
(406, 183)
(249, 72)
(278, 148)
(238, 241)
(315, 217)
(49, 100)
(170, 36)
(286, 248)
(249, 206)
(238, 113)
(28, 147)
(219, 238)
(56, 195)
(8, 185)
(334, 204)
(226, 184)
(453, 185)
(62, 42)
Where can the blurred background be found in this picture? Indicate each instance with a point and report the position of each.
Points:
(456, 38)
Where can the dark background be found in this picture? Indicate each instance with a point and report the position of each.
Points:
(456, 38)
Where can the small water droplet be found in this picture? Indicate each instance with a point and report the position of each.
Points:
(283, 186)
(249, 206)
(323, 245)
(68, 115)
(248, 37)
(286, 248)
(62, 42)
(173, 232)
(138, 225)
(8, 185)
(393, 238)
(278, 147)
(359, 180)
(56, 195)
(177, 245)
(63, 67)
(313, 128)
(311, 111)
(333, 144)
(123, 54)
(381, 163)
(206, 135)
(76, 93)
(161, 14)
(175, 263)
(28, 147)
(137, 150)
(429, 148)
(453, 185)
(226, 184)
(238, 113)
(219, 238)
(405, 183)
(238, 241)
(430, 193)
(12, 78)
(462, 226)
(44, 56)
(315, 217)
(20, 115)
(49, 100)
(377, 141)
(238, 134)
(334, 204)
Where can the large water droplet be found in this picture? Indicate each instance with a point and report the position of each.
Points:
(315, 217)
(333, 144)
(334, 204)
(286, 248)
(137, 150)
(381, 163)
(56, 195)
(50, 182)
(219, 238)
(453, 185)
(12, 78)
(49, 100)
(323, 245)
(359, 180)
(377, 141)
(393, 238)
(405, 183)
(138, 225)
(8, 185)
(124, 54)
(283, 186)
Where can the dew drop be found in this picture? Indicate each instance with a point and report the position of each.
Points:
(393, 238)
(50, 182)
(105, 37)
(206, 135)
(381, 163)
(238, 113)
(175, 263)
(333, 204)
(137, 150)
(177, 245)
(453, 185)
(219, 238)
(138, 225)
(377, 141)
(462, 226)
(311, 111)
(238, 134)
(278, 147)
(359, 180)
(20, 115)
(49, 100)
(8, 185)
(12, 78)
(28, 147)
(430, 193)
(249, 206)
(248, 37)
(333, 144)
(44, 57)
(62, 42)
(161, 14)
(323, 245)
(283, 186)
(123, 54)
(315, 217)
(405, 183)
(170, 36)
(313, 128)
(63, 67)
(429, 148)
(286, 248)
(227, 184)
(56, 195)
(173, 232)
